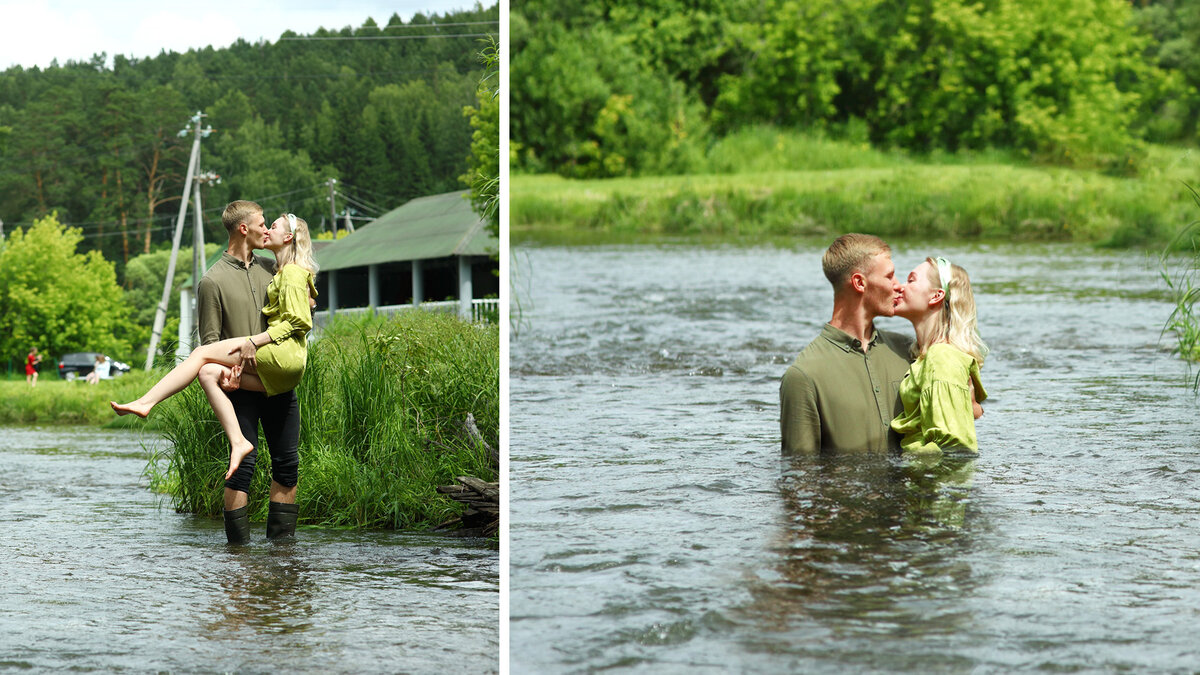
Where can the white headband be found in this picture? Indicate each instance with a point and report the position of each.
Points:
(944, 271)
(291, 219)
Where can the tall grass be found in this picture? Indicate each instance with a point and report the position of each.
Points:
(1184, 284)
(382, 404)
(768, 183)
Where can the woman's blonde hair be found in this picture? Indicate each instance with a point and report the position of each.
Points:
(301, 251)
(959, 325)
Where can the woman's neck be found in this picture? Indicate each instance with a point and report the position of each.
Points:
(926, 329)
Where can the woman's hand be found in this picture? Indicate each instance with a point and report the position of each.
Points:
(232, 380)
(247, 351)
(976, 409)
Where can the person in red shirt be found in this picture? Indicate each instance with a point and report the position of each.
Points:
(31, 363)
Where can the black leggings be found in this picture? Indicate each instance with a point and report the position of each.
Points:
(280, 417)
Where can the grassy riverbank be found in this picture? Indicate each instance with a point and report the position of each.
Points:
(766, 183)
(58, 402)
(382, 404)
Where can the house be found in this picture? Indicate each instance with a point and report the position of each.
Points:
(427, 251)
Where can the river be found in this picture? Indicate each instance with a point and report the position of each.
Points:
(654, 527)
(101, 575)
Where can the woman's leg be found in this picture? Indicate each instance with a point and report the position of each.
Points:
(239, 446)
(180, 376)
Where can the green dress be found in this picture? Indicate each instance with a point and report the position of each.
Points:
(937, 401)
(289, 318)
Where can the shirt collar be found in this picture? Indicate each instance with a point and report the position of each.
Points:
(237, 262)
(845, 342)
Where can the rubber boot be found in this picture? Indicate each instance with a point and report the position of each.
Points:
(237, 525)
(281, 520)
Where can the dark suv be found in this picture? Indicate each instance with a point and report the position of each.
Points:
(79, 364)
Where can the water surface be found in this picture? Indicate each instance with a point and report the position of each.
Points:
(655, 528)
(100, 575)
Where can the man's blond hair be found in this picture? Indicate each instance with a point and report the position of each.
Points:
(848, 254)
(238, 212)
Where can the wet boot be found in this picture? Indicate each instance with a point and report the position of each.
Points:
(237, 525)
(281, 520)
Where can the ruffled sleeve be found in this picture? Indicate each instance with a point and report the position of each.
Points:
(293, 314)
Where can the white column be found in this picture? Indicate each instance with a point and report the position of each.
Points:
(373, 285)
(333, 299)
(418, 287)
(184, 347)
(464, 287)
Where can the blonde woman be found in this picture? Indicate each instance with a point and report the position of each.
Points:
(940, 394)
(275, 358)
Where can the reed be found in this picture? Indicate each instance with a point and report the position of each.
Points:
(1182, 278)
(382, 405)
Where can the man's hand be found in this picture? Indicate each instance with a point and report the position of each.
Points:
(247, 352)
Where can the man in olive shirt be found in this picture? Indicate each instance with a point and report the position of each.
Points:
(843, 390)
(230, 299)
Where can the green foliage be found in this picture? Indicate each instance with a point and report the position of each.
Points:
(1180, 277)
(1065, 83)
(382, 405)
(590, 108)
(483, 175)
(1171, 105)
(56, 299)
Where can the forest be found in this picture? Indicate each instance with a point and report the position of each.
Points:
(624, 88)
(106, 147)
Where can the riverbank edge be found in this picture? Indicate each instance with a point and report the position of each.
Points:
(963, 202)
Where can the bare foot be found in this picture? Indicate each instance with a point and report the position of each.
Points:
(236, 454)
(131, 408)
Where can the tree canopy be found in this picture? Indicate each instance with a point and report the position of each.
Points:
(623, 87)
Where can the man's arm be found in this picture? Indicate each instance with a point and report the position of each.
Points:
(799, 419)
(208, 310)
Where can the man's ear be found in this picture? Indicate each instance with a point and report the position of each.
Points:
(858, 281)
(243, 228)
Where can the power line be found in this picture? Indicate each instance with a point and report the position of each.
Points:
(393, 37)
(431, 25)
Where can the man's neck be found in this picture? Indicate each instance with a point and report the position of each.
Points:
(240, 249)
(855, 322)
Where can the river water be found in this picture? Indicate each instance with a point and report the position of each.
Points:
(99, 575)
(654, 527)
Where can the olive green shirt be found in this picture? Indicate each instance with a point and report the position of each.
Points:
(836, 397)
(230, 298)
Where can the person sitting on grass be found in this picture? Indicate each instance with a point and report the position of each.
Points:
(275, 358)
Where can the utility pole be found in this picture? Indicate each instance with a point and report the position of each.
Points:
(160, 314)
(332, 208)
(198, 259)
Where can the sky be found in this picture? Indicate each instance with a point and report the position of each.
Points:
(35, 32)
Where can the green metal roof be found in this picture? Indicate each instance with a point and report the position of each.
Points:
(437, 226)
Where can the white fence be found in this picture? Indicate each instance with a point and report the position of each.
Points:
(482, 310)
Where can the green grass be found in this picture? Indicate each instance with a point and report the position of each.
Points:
(59, 402)
(767, 183)
(382, 403)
